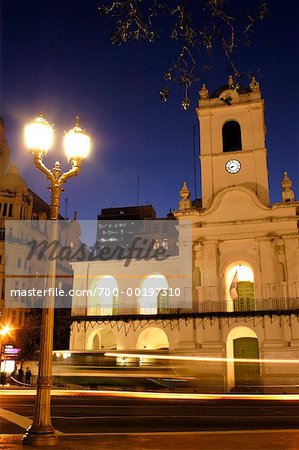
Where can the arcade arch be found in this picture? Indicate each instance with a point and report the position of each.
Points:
(102, 339)
(152, 338)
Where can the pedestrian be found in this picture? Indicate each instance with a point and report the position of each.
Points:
(12, 377)
(3, 378)
(27, 375)
(20, 374)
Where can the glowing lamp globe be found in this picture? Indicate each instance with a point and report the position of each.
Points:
(39, 135)
(77, 143)
(5, 330)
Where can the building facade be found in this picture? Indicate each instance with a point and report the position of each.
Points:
(16, 202)
(245, 263)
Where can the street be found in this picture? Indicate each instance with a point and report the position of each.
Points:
(92, 413)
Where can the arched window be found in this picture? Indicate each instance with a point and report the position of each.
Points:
(231, 136)
(153, 294)
(102, 299)
(196, 279)
(281, 273)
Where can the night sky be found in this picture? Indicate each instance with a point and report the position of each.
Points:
(56, 57)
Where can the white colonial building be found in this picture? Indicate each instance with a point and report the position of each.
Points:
(245, 263)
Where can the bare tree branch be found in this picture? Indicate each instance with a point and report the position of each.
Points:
(139, 19)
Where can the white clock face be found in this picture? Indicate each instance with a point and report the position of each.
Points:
(233, 166)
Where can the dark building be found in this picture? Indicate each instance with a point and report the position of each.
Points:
(119, 227)
(128, 213)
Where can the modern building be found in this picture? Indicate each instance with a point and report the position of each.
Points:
(120, 227)
(245, 264)
(128, 213)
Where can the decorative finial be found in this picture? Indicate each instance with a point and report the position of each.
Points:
(287, 194)
(230, 81)
(185, 202)
(77, 121)
(184, 192)
(254, 85)
(203, 93)
(75, 215)
(13, 169)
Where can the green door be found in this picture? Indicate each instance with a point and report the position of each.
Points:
(163, 298)
(115, 305)
(245, 300)
(246, 374)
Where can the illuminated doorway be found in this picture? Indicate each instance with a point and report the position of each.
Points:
(246, 374)
(240, 288)
(242, 343)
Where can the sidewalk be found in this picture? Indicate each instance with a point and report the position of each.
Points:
(232, 440)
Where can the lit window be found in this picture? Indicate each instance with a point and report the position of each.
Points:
(156, 244)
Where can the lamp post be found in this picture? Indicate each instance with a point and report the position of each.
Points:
(3, 332)
(39, 139)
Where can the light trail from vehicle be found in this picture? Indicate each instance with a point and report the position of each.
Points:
(153, 395)
(202, 358)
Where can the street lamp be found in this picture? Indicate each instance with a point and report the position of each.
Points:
(39, 139)
(5, 330)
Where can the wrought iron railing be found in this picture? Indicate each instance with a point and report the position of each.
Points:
(268, 304)
(205, 307)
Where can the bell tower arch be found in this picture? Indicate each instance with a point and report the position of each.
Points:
(232, 140)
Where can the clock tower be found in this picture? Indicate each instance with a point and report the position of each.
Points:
(232, 140)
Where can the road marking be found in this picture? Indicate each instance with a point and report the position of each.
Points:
(17, 419)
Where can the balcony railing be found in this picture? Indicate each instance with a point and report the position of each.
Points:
(268, 305)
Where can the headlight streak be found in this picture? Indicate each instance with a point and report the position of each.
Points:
(154, 395)
(203, 358)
